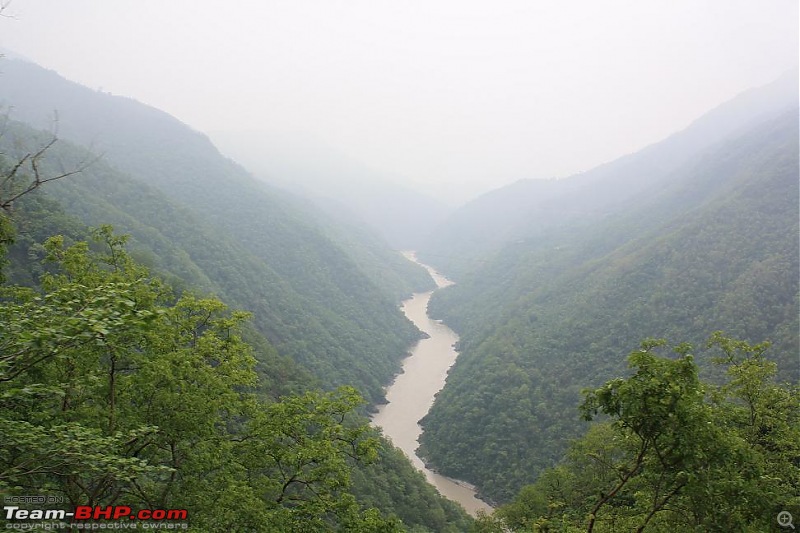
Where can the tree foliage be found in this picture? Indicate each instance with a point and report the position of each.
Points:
(674, 452)
(114, 392)
(716, 248)
(88, 303)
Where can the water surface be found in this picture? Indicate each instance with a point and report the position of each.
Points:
(411, 395)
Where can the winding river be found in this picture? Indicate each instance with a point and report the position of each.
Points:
(411, 394)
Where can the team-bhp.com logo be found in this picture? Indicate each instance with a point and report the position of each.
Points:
(87, 517)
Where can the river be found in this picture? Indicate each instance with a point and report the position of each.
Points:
(411, 394)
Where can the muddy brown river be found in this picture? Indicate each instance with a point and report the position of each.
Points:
(411, 395)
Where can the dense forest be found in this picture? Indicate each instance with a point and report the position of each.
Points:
(118, 391)
(258, 420)
(672, 452)
(713, 247)
(322, 294)
(175, 333)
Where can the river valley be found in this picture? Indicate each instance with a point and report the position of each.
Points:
(411, 395)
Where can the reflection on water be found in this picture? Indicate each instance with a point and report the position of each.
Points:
(411, 395)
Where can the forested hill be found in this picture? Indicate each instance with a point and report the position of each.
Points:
(338, 184)
(126, 381)
(326, 297)
(529, 209)
(713, 247)
(157, 149)
(105, 366)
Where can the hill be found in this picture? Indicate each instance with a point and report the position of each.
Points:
(323, 295)
(711, 246)
(185, 399)
(530, 209)
(310, 345)
(337, 184)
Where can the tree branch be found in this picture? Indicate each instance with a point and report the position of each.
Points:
(33, 161)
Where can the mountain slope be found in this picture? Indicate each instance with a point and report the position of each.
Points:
(199, 257)
(715, 247)
(194, 254)
(392, 483)
(258, 246)
(403, 217)
(530, 209)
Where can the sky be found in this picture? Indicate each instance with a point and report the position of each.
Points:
(453, 97)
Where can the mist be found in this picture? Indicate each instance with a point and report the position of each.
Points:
(284, 256)
(451, 98)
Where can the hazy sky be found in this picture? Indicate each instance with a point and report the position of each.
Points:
(457, 96)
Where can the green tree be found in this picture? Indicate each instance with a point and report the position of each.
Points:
(675, 452)
(113, 392)
(661, 410)
(56, 350)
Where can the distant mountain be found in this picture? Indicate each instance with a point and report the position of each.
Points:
(530, 208)
(710, 244)
(258, 247)
(338, 184)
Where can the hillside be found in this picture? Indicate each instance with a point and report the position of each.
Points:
(308, 346)
(337, 184)
(323, 295)
(534, 208)
(713, 247)
(154, 371)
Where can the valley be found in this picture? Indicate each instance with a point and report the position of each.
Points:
(412, 392)
(616, 349)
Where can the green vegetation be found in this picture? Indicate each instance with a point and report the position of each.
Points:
(125, 379)
(716, 249)
(115, 391)
(391, 483)
(122, 388)
(674, 452)
(322, 294)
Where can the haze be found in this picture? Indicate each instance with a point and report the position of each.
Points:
(451, 97)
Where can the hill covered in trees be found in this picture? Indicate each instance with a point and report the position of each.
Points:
(337, 184)
(321, 293)
(532, 209)
(116, 390)
(711, 245)
(673, 452)
(126, 379)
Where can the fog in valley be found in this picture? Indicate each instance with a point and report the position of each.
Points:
(442, 266)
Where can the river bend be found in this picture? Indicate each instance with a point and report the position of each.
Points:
(411, 394)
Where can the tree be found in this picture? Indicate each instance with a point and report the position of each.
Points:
(675, 452)
(53, 347)
(114, 392)
(25, 173)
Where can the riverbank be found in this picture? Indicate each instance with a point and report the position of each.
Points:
(411, 394)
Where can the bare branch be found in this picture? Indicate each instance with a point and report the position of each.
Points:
(31, 163)
(4, 7)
